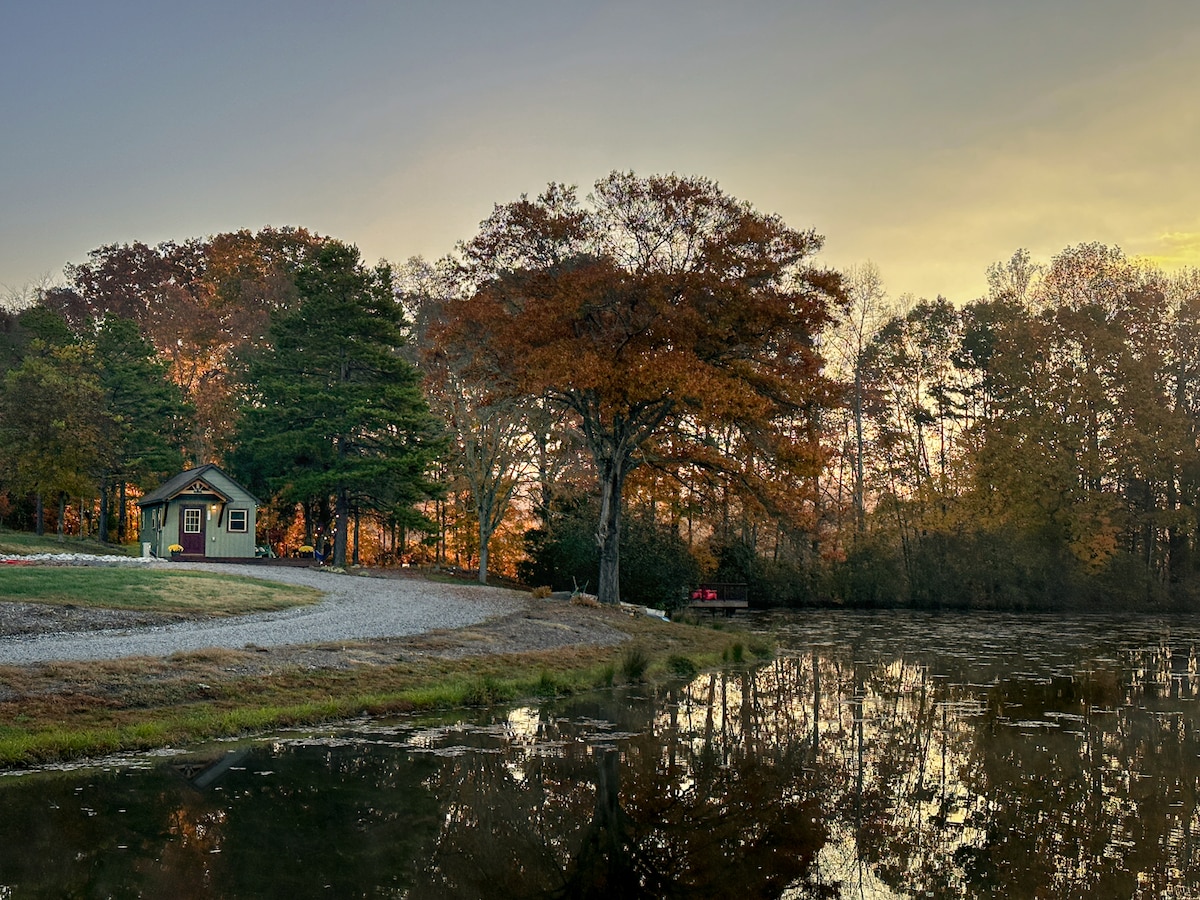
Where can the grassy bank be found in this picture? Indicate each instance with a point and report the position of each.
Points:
(64, 711)
(24, 543)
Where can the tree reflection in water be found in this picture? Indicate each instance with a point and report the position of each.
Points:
(1000, 759)
(635, 810)
(855, 770)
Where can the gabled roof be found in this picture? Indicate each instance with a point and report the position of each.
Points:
(172, 487)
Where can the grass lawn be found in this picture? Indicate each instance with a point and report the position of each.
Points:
(148, 590)
(22, 543)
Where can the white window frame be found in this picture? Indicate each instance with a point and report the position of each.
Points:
(243, 515)
(193, 521)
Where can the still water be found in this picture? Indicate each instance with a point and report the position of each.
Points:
(877, 756)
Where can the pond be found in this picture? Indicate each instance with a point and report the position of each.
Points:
(876, 756)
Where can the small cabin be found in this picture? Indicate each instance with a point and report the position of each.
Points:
(205, 512)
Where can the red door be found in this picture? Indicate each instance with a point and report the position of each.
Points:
(191, 529)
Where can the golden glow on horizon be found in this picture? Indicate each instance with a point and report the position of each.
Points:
(1178, 250)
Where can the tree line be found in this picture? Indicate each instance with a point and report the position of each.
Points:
(631, 392)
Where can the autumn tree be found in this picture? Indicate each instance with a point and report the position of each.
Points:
(1106, 342)
(200, 302)
(850, 336)
(85, 414)
(1182, 500)
(660, 302)
(491, 447)
(1061, 404)
(249, 277)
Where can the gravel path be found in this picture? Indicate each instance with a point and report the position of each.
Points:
(353, 608)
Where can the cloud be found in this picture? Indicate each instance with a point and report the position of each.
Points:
(1170, 251)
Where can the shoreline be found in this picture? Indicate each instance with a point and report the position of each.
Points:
(59, 711)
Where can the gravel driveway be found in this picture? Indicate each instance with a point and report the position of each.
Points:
(353, 608)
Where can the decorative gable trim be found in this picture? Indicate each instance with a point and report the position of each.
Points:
(200, 487)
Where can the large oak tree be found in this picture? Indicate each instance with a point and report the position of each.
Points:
(660, 307)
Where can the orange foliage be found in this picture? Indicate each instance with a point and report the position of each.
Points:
(664, 308)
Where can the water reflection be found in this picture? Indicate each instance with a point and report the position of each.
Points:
(1009, 758)
(878, 756)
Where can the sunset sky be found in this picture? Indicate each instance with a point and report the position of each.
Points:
(932, 137)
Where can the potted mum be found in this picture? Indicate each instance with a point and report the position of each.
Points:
(175, 550)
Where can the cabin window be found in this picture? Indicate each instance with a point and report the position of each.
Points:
(191, 521)
(237, 520)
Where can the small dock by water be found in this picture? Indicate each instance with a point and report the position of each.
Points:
(719, 597)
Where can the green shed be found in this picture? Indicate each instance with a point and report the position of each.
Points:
(205, 512)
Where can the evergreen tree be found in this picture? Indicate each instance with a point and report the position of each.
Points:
(146, 415)
(335, 410)
(51, 425)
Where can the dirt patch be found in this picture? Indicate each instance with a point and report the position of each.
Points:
(46, 618)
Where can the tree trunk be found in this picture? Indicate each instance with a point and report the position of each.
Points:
(104, 509)
(122, 513)
(608, 534)
(62, 515)
(860, 506)
(342, 517)
(357, 522)
(483, 553)
(441, 542)
(40, 516)
(483, 509)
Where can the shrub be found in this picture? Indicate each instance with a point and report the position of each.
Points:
(484, 691)
(682, 666)
(761, 648)
(607, 675)
(635, 662)
(656, 564)
(546, 686)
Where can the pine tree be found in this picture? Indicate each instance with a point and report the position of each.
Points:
(335, 411)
